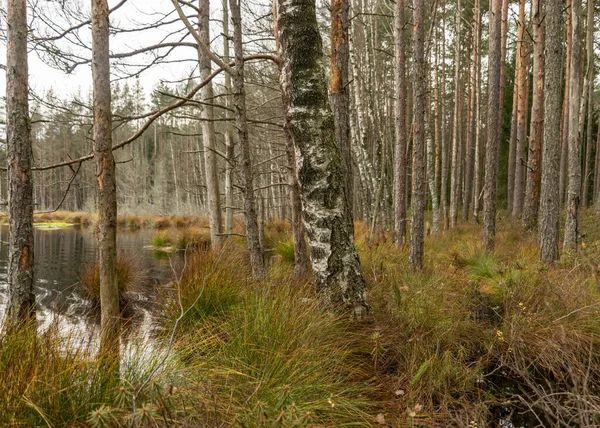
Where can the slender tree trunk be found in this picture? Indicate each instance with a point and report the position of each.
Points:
(478, 145)
(444, 180)
(241, 123)
(530, 209)
(503, 40)
(493, 129)
(208, 130)
(597, 174)
(522, 108)
(435, 208)
(564, 155)
(512, 144)
(473, 124)
(455, 176)
(549, 192)
(340, 99)
(419, 90)
(574, 187)
(105, 180)
(21, 281)
(589, 87)
(336, 267)
(400, 161)
(229, 146)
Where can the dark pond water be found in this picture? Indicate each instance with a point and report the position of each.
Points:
(60, 256)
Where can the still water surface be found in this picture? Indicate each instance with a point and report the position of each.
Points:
(60, 256)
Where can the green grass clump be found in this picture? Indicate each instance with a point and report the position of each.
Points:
(161, 239)
(285, 249)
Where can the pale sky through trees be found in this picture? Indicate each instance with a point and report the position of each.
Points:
(133, 14)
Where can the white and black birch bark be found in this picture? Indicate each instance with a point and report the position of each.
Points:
(337, 272)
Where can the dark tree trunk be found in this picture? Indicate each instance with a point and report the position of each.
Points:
(105, 182)
(336, 267)
(21, 301)
(549, 192)
(419, 90)
(490, 187)
(400, 161)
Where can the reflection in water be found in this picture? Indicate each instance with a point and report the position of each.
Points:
(60, 255)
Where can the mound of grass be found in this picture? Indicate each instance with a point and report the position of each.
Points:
(130, 277)
(162, 239)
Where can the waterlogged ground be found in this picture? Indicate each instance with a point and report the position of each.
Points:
(61, 252)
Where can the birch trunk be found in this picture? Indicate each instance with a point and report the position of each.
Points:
(229, 146)
(493, 129)
(336, 267)
(549, 192)
(454, 178)
(110, 322)
(21, 281)
(208, 129)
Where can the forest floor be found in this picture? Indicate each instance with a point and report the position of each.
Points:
(476, 339)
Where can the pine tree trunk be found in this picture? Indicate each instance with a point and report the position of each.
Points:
(564, 153)
(574, 143)
(419, 91)
(589, 88)
(530, 209)
(512, 144)
(340, 99)
(400, 161)
(478, 146)
(208, 130)
(522, 109)
(21, 281)
(336, 267)
(241, 124)
(549, 192)
(110, 322)
(493, 129)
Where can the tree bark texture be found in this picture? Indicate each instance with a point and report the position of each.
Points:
(21, 280)
(574, 143)
(400, 161)
(492, 154)
(419, 95)
(549, 193)
(456, 141)
(589, 88)
(336, 267)
(105, 181)
(536, 134)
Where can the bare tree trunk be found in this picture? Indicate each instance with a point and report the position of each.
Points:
(435, 208)
(444, 180)
(419, 79)
(530, 209)
(208, 129)
(106, 184)
(478, 145)
(493, 129)
(455, 177)
(512, 144)
(229, 146)
(473, 124)
(241, 123)
(549, 193)
(21, 281)
(574, 187)
(522, 108)
(336, 267)
(340, 99)
(564, 155)
(597, 172)
(589, 88)
(400, 161)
